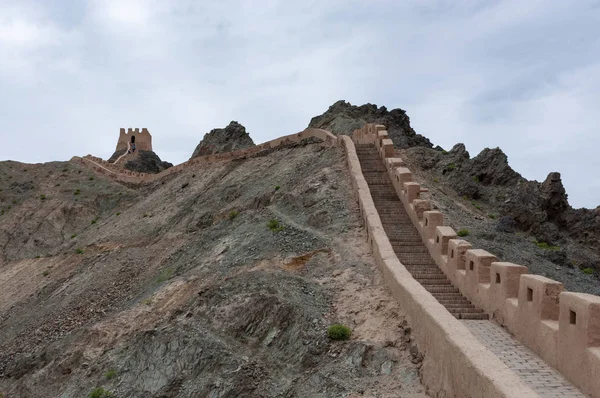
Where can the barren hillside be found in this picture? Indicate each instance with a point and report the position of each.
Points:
(180, 288)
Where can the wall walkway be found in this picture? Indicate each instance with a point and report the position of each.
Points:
(562, 328)
(117, 172)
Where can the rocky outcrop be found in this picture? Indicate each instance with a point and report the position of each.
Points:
(147, 162)
(342, 118)
(231, 138)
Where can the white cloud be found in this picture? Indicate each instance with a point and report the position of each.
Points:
(519, 75)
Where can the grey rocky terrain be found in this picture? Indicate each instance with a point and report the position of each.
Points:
(228, 139)
(142, 162)
(343, 118)
(180, 289)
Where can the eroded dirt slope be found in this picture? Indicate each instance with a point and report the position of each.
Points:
(179, 289)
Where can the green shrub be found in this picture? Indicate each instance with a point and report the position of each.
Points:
(339, 332)
(73, 236)
(545, 246)
(79, 251)
(77, 192)
(277, 187)
(588, 271)
(463, 232)
(445, 152)
(111, 374)
(100, 392)
(37, 256)
(436, 180)
(451, 167)
(118, 213)
(476, 205)
(165, 275)
(233, 214)
(46, 273)
(492, 216)
(94, 221)
(91, 178)
(43, 197)
(475, 178)
(274, 225)
(145, 215)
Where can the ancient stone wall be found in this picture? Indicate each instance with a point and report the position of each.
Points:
(456, 363)
(117, 172)
(562, 327)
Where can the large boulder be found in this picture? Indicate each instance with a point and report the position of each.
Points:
(231, 138)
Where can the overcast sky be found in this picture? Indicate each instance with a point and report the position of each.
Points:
(522, 75)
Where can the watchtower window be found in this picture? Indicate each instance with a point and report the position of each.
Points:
(133, 139)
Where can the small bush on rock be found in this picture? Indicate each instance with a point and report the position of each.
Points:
(451, 167)
(339, 332)
(545, 246)
(277, 187)
(100, 392)
(233, 214)
(588, 271)
(111, 374)
(79, 251)
(463, 232)
(274, 225)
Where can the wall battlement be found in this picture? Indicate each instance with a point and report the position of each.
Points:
(142, 140)
(562, 327)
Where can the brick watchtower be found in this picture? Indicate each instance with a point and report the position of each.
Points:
(142, 140)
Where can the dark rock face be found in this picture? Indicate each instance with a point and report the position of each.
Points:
(147, 162)
(231, 138)
(116, 156)
(342, 118)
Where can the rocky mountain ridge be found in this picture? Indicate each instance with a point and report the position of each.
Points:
(228, 139)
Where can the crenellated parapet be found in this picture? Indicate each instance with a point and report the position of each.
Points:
(142, 139)
(561, 327)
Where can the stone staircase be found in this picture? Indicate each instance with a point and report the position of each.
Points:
(405, 238)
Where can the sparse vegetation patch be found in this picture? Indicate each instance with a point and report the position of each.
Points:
(111, 374)
(165, 275)
(545, 246)
(588, 271)
(233, 214)
(463, 232)
(339, 332)
(100, 392)
(274, 225)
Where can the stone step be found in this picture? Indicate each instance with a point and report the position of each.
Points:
(441, 289)
(406, 240)
(474, 317)
(409, 249)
